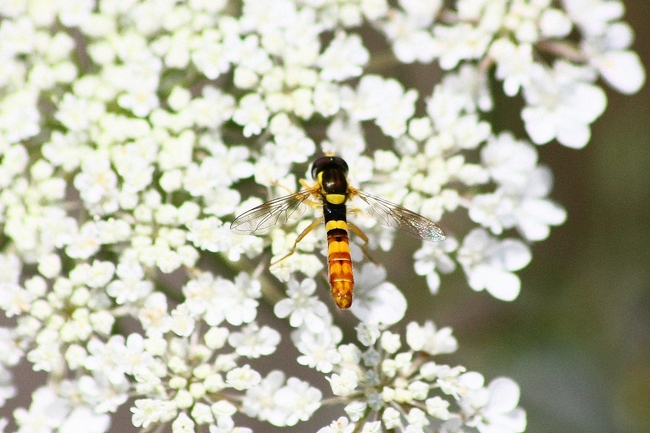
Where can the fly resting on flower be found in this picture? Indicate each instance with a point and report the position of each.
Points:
(332, 190)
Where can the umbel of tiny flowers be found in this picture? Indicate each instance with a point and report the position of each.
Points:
(129, 129)
(386, 386)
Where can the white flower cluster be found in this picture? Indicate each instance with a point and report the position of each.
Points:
(186, 368)
(383, 386)
(128, 129)
(388, 388)
(561, 99)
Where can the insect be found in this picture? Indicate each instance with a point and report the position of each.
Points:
(332, 190)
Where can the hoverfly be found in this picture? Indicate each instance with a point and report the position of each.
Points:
(332, 190)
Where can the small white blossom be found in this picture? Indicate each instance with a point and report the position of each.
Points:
(430, 340)
(7, 390)
(435, 257)
(238, 299)
(252, 113)
(243, 378)
(254, 341)
(561, 106)
(391, 418)
(84, 418)
(495, 408)
(345, 383)
(407, 31)
(153, 315)
(78, 114)
(355, 410)
(318, 349)
(227, 425)
(489, 263)
(298, 399)
(460, 42)
(206, 235)
(301, 307)
(437, 407)
(554, 23)
(514, 64)
(343, 58)
(131, 285)
(385, 101)
(182, 321)
(341, 425)
(367, 333)
(376, 300)
(183, 424)
(259, 400)
(47, 411)
(10, 351)
(147, 411)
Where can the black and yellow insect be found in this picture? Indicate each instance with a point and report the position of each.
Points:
(332, 191)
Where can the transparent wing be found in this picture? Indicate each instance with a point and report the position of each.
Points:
(400, 218)
(279, 211)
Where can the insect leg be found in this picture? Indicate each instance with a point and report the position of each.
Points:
(357, 231)
(313, 189)
(300, 237)
(305, 185)
(279, 185)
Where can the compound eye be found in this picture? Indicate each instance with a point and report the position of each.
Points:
(319, 165)
(340, 162)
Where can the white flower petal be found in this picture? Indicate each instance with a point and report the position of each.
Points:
(504, 395)
(532, 229)
(513, 254)
(623, 70)
(383, 304)
(587, 102)
(539, 125)
(433, 282)
(502, 285)
(472, 379)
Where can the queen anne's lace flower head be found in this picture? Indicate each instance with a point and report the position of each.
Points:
(387, 386)
(132, 132)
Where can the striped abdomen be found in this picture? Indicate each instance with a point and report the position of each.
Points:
(338, 255)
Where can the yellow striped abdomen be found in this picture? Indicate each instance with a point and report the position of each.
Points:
(340, 263)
